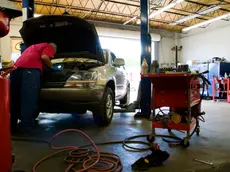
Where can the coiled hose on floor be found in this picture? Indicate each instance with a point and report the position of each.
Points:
(88, 159)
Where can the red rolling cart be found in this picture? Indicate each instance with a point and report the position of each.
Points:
(181, 93)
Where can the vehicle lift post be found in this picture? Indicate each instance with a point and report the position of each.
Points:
(27, 12)
(145, 84)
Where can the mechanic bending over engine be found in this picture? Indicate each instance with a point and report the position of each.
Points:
(25, 85)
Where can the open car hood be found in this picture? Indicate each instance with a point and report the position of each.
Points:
(72, 35)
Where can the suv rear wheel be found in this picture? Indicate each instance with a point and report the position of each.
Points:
(104, 114)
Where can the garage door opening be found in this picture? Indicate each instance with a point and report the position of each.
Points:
(130, 51)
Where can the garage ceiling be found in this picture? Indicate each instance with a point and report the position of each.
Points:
(128, 11)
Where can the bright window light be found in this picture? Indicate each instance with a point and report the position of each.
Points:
(199, 13)
(165, 8)
(206, 22)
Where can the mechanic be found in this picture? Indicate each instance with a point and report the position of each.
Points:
(25, 85)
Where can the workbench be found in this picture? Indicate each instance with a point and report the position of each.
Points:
(178, 91)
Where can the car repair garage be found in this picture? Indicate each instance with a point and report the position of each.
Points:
(114, 85)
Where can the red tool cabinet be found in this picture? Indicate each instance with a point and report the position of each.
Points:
(175, 90)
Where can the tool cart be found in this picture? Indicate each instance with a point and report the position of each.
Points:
(181, 93)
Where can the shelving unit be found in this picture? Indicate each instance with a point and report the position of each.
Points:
(219, 87)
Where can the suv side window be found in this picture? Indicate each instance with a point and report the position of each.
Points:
(113, 57)
(105, 56)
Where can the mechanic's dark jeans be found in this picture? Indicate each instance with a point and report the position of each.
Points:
(24, 91)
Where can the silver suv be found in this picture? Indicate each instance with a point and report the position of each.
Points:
(84, 77)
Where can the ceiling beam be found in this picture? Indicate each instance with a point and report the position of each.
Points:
(206, 5)
(122, 3)
(161, 32)
(95, 10)
(170, 12)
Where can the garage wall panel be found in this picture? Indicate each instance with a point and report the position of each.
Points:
(124, 34)
(203, 46)
(6, 41)
(166, 54)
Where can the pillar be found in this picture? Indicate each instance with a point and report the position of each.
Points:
(145, 102)
(27, 12)
(27, 9)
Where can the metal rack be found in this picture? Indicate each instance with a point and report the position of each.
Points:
(217, 90)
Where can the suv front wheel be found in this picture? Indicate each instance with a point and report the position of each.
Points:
(104, 114)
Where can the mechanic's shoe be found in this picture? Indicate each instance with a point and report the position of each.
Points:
(36, 122)
(25, 132)
(140, 115)
(14, 129)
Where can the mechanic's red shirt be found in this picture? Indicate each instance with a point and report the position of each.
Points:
(31, 57)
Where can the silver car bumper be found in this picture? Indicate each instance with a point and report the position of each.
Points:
(66, 95)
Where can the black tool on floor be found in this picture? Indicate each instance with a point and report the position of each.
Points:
(156, 158)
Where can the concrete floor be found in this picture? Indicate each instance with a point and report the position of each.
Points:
(212, 144)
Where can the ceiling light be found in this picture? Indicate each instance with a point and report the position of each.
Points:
(37, 15)
(209, 9)
(198, 14)
(153, 6)
(206, 22)
(138, 21)
(184, 19)
(165, 8)
(130, 20)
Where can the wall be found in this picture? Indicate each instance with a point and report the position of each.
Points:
(206, 44)
(166, 54)
(5, 42)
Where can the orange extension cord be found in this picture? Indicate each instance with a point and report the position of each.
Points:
(88, 159)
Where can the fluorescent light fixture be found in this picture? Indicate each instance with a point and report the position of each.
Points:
(153, 6)
(199, 13)
(206, 22)
(184, 19)
(209, 9)
(138, 21)
(135, 17)
(165, 8)
(130, 20)
(37, 15)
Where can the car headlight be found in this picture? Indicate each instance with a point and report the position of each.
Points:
(82, 79)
